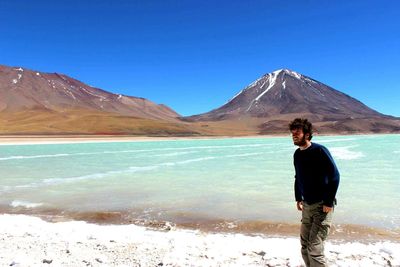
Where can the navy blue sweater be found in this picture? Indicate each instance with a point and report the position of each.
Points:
(317, 177)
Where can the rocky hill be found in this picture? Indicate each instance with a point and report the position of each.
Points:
(33, 102)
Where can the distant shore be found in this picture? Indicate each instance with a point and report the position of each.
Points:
(60, 139)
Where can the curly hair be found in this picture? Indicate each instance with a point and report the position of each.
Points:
(303, 124)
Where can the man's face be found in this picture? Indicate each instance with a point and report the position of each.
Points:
(299, 138)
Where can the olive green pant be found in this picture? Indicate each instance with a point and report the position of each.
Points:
(315, 225)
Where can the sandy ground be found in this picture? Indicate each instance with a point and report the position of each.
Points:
(59, 139)
(30, 241)
(11, 140)
(55, 139)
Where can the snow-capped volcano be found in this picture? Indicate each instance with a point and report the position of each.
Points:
(284, 92)
(270, 102)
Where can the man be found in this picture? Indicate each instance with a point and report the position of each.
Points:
(316, 184)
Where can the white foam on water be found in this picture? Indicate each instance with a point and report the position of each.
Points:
(25, 204)
(5, 188)
(185, 161)
(86, 154)
(336, 140)
(345, 153)
(212, 147)
(130, 151)
(95, 176)
(172, 154)
(141, 169)
(34, 157)
(244, 155)
(52, 181)
(25, 238)
(207, 158)
(132, 169)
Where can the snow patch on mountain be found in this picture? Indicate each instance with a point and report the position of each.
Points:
(290, 73)
(294, 74)
(255, 82)
(272, 80)
(95, 95)
(310, 80)
(15, 81)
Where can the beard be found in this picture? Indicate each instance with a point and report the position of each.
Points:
(300, 142)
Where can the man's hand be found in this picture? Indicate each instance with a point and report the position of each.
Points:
(326, 209)
(300, 205)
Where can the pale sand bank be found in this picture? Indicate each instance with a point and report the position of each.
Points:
(30, 241)
(66, 139)
(31, 140)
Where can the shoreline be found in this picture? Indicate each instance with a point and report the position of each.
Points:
(339, 232)
(71, 139)
(30, 241)
(62, 139)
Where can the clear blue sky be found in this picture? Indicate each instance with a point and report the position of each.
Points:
(195, 55)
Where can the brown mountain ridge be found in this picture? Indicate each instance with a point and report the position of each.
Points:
(33, 102)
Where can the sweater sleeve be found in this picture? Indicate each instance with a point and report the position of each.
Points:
(297, 193)
(332, 177)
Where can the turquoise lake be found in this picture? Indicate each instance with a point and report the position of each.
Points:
(234, 179)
